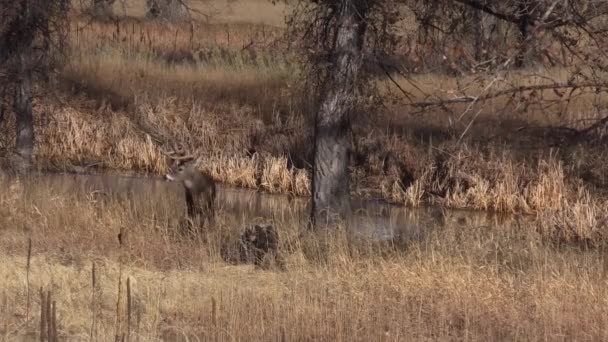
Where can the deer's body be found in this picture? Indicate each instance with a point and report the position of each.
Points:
(199, 189)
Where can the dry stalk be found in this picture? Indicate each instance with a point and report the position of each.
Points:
(214, 317)
(54, 321)
(604, 274)
(5, 309)
(49, 316)
(128, 308)
(93, 304)
(118, 334)
(213, 311)
(138, 325)
(43, 317)
(27, 277)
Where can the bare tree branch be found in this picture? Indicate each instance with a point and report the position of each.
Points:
(598, 86)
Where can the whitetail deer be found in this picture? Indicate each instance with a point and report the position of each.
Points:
(199, 186)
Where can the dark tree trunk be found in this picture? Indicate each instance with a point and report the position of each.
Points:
(330, 184)
(526, 52)
(478, 32)
(24, 118)
(26, 50)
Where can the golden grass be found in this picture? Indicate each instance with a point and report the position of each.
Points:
(226, 92)
(469, 278)
(458, 282)
(499, 184)
(106, 65)
(85, 142)
(467, 177)
(222, 11)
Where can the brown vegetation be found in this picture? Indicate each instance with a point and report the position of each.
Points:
(227, 91)
(121, 100)
(476, 280)
(259, 244)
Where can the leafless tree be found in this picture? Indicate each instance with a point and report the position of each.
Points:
(32, 34)
(347, 43)
(513, 40)
(338, 37)
(546, 33)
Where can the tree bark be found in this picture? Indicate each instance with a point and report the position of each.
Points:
(24, 117)
(526, 53)
(478, 33)
(330, 180)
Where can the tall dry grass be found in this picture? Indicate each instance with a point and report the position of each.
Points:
(210, 11)
(458, 282)
(227, 91)
(462, 177)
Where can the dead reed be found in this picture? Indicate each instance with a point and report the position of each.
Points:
(132, 86)
(475, 281)
(228, 94)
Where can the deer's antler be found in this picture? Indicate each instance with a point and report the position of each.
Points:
(177, 154)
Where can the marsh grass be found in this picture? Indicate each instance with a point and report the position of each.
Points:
(227, 93)
(464, 176)
(476, 281)
(226, 90)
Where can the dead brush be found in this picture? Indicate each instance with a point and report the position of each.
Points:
(489, 272)
(276, 177)
(550, 190)
(467, 179)
(459, 177)
(136, 35)
(582, 222)
(225, 101)
(232, 170)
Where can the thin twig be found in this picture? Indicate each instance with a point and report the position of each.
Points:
(467, 98)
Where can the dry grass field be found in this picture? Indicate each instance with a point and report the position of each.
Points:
(225, 88)
(483, 280)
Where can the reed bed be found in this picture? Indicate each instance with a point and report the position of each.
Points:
(463, 177)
